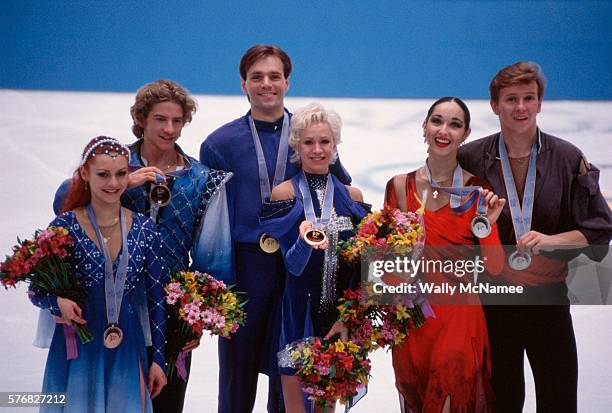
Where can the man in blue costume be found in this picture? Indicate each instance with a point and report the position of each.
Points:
(554, 202)
(185, 198)
(255, 149)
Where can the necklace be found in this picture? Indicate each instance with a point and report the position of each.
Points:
(174, 163)
(435, 192)
(106, 238)
(113, 222)
(111, 229)
(521, 159)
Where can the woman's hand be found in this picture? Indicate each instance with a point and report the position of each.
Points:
(304, 227)
(338, 328)
(192, 345)
(71, 312)
(157, 379)
(495, 205)
(142, 175)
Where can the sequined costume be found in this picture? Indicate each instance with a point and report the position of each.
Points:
(101, 380)
(260, 275)
(313, 279)
(195, 223)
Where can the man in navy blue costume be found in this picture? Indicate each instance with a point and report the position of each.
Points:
(255, 149)
(554, 202)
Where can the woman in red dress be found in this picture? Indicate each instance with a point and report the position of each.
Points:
(445, 366)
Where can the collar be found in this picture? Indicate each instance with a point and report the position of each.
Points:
(136, 159)
(264, 126)
(492, 152)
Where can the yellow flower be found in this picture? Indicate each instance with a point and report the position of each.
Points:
(339, 346)
(352, 347)
(402, 312)
(229, 299)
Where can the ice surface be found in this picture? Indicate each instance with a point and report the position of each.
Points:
(43, 133)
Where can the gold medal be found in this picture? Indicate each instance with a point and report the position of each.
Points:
(113, 336)
(268, 244)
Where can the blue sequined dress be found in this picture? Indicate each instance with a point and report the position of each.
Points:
(313, 281)
(103, 380)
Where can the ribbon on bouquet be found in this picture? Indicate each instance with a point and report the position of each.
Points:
(71, 344)
(180, 365)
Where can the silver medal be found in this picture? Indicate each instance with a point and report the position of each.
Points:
(519, 260)
(481, 226)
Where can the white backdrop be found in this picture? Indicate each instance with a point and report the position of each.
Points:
(42, 135)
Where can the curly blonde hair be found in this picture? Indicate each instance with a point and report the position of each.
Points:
(160, 91)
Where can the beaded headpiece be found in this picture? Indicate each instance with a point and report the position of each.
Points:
(104, 145)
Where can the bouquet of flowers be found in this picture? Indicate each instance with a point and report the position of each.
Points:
(202, 303)
(384, 232)
(41, 262)
(379, 235)
(372, 326)
(328, 370)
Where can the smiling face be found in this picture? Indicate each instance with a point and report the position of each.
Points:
(518, 107)
(163, 126)
(107, 176)
(317, 148)
(265, 85)
(445, 129)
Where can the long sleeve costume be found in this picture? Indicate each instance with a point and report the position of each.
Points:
(305, 312)
(104, 380)
(567, 197)
(261, 275)
(195, 223)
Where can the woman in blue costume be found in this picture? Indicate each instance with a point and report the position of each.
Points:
(116, 259)
(312, 200)
(193, 219)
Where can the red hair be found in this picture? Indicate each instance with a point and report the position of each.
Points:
(78, 194)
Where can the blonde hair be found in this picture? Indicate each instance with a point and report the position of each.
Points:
(308, 115)
(160, 91)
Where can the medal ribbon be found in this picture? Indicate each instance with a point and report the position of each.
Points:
(521, 217)
(281, 158)
(113, 287)
(328, 200)
(154, 208)
(458, 190)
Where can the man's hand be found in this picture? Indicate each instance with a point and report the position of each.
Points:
(142, 175)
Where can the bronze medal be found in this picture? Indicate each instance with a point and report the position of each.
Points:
(113, 336)
(268, 244)
(315, 237)
(160, 195)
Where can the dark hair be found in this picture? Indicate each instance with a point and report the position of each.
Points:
(156, 92)
(261, 51)
(516, 74)
(79, 195)
(462, 105)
